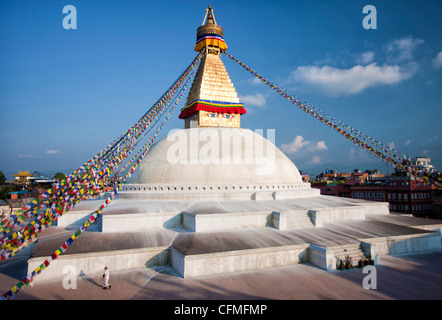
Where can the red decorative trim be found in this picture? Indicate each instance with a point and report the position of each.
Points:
(204, 107)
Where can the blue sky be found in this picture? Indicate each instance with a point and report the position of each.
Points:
(65, 94)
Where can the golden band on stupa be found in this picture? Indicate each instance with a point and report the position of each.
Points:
(212, 100)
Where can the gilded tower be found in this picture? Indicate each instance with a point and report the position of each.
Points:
(212, 100)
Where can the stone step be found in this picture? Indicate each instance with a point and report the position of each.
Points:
(205, 222)
(352, 254)
(354, 251)
(296, 219)
(189, 266)
(299, 223)
(205, 254)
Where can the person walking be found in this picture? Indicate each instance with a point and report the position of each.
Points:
(106, 284)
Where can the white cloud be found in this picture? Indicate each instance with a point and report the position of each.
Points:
(392, 145)
(51, 151)
(408, 142)
(294, 146)
(338, 82)
(437, 61)
(299, 142)
(351, 154)
(258, 100)
(320, 145)
(358, 155)
(366, 57)
(315, 160)
(402, 49)
(255, 80)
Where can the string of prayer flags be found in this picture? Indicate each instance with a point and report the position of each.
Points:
(90, 176)
(139, 156)
(371, 145)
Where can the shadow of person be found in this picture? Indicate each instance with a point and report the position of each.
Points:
(83, 276)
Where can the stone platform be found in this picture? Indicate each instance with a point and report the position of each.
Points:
(210, 237)
(250, 235)
(138, 214)
(404, 277)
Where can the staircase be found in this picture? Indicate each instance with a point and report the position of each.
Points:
(296, 219)
(352, 250)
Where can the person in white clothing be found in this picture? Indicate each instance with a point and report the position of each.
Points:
(106, 284)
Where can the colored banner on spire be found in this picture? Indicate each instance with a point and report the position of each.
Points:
(210, 40)
(212, 106)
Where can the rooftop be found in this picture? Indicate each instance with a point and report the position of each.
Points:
(22, 174)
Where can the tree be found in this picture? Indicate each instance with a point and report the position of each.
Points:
(60, 176)
(4, 191)
(2, 178)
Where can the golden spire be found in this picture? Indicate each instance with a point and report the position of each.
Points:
(210, 34)
(212, 100)
(211, 17)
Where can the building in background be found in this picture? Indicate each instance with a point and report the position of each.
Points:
(22, 177)
(404, 194)
(424, 162)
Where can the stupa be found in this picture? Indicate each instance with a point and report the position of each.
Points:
(216, 198)
(212, 100)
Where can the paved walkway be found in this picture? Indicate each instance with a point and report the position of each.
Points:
(398, 277)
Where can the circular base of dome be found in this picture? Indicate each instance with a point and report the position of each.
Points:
(218, 192)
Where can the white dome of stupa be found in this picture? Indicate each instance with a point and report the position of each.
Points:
(215, 163)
